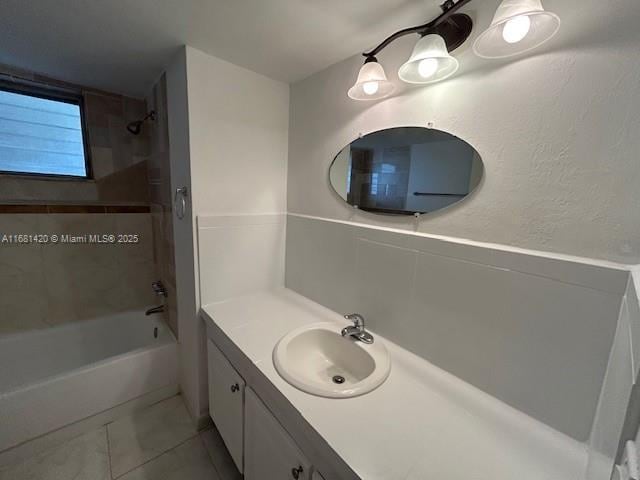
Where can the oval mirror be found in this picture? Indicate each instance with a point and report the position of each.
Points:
(407, 170)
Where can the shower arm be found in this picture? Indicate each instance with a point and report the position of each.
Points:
(151, 115)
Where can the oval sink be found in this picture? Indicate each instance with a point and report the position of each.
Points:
(317, 359)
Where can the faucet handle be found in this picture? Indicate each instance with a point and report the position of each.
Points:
(357, 331)
(159, 289)
(356, 318)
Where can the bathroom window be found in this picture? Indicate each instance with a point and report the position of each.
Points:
(42, 133)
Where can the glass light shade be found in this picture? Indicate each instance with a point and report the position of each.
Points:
(372, 83)
(517, 27)
(429, 62)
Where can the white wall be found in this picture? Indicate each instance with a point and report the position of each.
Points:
(236, 127)
(557, 130)
(186, 273)
(240, 254)
(619, 389)
(239, 123)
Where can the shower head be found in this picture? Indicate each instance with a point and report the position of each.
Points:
(136, 127)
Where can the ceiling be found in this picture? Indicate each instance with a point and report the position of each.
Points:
(123, 45)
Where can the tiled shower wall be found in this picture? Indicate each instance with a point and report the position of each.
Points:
(117, 157)
(161, 199)
(45, 285)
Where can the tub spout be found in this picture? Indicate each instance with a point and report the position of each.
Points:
(158, 309)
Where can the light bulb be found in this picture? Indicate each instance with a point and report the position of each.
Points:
(516, 29)
(427, 67)
(370, 88)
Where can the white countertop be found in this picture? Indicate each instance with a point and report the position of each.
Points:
(420, 424)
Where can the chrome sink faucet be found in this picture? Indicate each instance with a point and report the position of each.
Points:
(357, 331)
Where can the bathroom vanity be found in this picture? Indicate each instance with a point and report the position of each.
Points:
(421, 422)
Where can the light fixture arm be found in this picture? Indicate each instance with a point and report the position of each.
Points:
(449, 8)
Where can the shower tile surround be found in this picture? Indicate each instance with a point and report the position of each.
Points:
(118, 159)
(48, 285)
(533, 331)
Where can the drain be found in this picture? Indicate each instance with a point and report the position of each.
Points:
(339, 379)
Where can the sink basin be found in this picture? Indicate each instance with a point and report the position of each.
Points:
(317, 359)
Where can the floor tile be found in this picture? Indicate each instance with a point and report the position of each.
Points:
(136, 439)
(187, 461)
(219, 455)
(83, 458)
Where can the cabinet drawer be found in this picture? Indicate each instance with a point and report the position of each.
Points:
(226, 402)
(270, 453)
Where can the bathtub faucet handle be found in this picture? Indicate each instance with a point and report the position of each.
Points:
(151, 311)
(159, 288)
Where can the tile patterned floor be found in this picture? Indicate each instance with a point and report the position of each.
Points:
(84, 457)
(157, 443)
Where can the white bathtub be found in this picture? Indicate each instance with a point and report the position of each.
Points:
(54, 377)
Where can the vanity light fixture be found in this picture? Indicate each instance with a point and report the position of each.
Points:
(430, 61)
(517, 27)
(372, 83)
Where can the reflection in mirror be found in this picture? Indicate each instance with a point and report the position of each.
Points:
(406, 170)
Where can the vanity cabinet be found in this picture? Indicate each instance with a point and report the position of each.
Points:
(270, 453)
(226, 402)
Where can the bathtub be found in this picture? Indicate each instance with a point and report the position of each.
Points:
(55, 377)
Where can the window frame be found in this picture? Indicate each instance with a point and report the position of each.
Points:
(59, 95)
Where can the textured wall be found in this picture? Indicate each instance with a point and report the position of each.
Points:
(557, 130)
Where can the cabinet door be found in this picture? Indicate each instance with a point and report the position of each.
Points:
(270, 453)
(226, 402)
